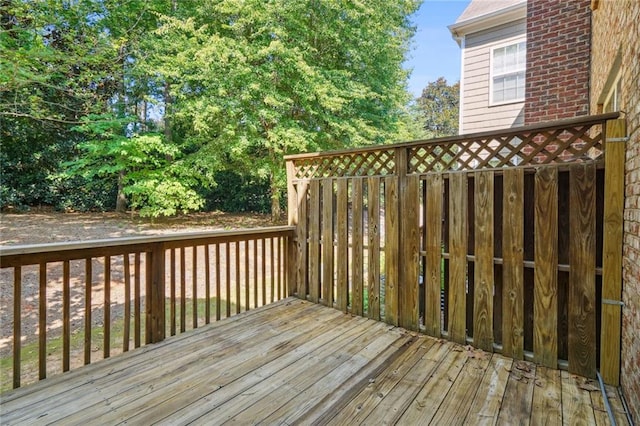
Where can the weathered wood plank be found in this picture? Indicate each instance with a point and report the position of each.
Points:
(302, 276)
(582, 279)
(576, 400)
(88, 283)
(545, 326)
(66, 316)
(342, 285)
(612, 253)
(373, 232)
(483, 276)
(410, 247)
(458, 257)
(512, 267)
(106, 341)
(194, 286)
(391, 249)
(357, 236)
(137, 309)
(314, 240)
(126, 332)
(547, 398)
(488, 400)
(327, 241)
(520, 392)
(17, 324)
(433, 246)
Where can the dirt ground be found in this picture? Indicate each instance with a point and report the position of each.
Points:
(48, 227)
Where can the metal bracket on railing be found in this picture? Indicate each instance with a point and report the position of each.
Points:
(625, 139)
(612, 302)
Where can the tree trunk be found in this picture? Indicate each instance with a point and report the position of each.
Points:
(276, 211)
(121, 199)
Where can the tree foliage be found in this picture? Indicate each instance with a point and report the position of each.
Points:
(439, 108)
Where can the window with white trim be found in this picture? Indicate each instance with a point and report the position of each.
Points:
(508, 66)
(612, 102)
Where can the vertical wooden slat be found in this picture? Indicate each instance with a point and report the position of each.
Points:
(373, 231)
(158, 285)
(301, 242)
(227, 262)
(255, 273)
(207, 285)
(148, 263)
(513, 266)
(582, 278)
(194, 286)
(342, 225)
(172, 291)
(483, 277)
(107, 307)
(458, 217)
(391, 229)
(263, 275)
(280, 267)
(17, 323)
(88, 280)
(237, 278)
(314, 240)
(410, 246)
(271, 270)
(545, 310)
(612, 252)
(66, 316)
(433, 246)
(218, 298)
(183, 291)
(247, 283)
(137, 338)
(356, 248)
(42, 325)
(327, 241)
(126, 333)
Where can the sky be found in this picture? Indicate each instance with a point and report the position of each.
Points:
(434, 52)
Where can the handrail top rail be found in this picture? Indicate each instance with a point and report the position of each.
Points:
(138, 240)
(551, 125)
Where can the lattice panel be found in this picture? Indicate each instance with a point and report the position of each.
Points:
(554, 146)
(368, 163)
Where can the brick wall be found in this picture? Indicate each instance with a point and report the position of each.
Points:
(558, 54)
(616, 28)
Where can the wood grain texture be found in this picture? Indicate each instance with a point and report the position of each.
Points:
(327, 241)
(512, 268)
(612, 253)
(357, 236)
(373, 232)
(66, 316)
(314, 240)
(576, 400)
(519, 390)
(545, 326)
(391, 249)
(458, 226)
(433, 245)
(410, 246)
(17, 324)
(483, 276)
(582, 278)
(547, 398)
(342, 285)
(302, 246)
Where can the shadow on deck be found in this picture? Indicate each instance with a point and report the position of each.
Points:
(295, 362)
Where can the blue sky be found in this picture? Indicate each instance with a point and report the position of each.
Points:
(434, 53)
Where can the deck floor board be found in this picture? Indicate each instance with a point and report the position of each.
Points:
(295, 362)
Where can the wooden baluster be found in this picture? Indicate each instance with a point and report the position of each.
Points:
(373, 231)
(237, 278)
(17, 323)
(207, 280)
(107, 308)
(88, 290)
(172, 290)
(127, 304)
(42, 326)
(66, 316)
(183, 291)
(137, 299)
(194, 285)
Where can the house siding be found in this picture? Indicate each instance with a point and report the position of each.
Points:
(558, 55)
(478, 115)
(616, 28)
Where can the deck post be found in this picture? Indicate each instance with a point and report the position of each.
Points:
(292, 242)
(614, 133)
(156, 294)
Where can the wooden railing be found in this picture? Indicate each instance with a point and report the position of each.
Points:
(500, 239)
(75, 303)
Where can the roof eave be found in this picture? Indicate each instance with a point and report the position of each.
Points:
(488, 20)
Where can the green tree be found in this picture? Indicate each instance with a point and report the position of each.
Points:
(438, 107)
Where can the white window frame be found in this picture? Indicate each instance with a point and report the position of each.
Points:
(612, 100)
(492, 75)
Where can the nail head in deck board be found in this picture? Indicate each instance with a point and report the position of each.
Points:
(314, 240)
(458, 257)
(483, 276)
(512, 268)
(327, 241)
(582, 285)
(357, 270)
(433, 246)
(342, 288)
(373, 232)
(301, 242)
(391, 249)
(547, 397)
(612, 252)
(545, 329)
(410, 246)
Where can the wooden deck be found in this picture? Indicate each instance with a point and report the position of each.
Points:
(295, 362)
